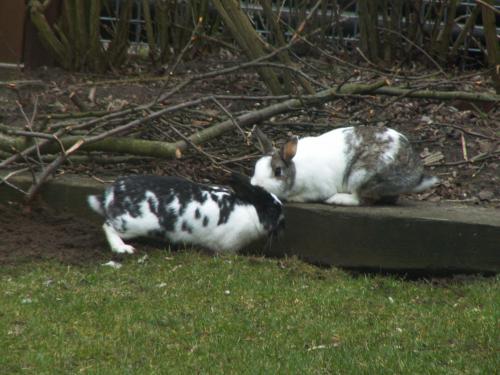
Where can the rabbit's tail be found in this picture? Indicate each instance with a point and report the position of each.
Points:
(426, 182)
(95, 202)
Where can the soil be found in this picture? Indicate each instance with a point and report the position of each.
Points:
(41, 234)
(458, 141)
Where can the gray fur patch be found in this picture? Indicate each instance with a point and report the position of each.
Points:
(287, 170)
(366, 147)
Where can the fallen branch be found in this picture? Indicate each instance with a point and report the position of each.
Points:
(5, 180)
(106, 142)
(434, 94)
(109, 143)
(480, 157)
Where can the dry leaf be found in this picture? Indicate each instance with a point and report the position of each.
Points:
(486, 195)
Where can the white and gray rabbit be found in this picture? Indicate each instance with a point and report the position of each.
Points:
(345, 166)
(184, 212)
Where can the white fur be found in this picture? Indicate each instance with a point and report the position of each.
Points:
(392, 137)
(356, 179)
(263, 177)
(320, 165)
(344, 199)
(137, 226)
(242, 227)
(115, 242)
(109, 198)
(95, 204)
(426, 183)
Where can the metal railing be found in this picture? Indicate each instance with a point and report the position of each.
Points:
(348, 17)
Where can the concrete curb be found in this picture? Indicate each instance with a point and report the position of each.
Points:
(411, 237)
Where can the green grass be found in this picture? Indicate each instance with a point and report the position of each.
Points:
(191, 313)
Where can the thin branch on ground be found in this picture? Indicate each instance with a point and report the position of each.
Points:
(436, 64)
(229, 114)
(5, 180)
(29, 124)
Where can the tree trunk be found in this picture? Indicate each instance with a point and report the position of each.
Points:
(248, 39)
(490, 34)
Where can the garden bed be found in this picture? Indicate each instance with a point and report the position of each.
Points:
(409, 237)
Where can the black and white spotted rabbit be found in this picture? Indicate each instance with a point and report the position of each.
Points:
(184, 212)
(345, 166)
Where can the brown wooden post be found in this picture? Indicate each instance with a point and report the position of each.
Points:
(19, 42)
(12, 18)
(34, 53)
(492, 47)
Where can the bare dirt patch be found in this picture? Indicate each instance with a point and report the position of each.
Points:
(42, 234)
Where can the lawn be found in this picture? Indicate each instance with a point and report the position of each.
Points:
(192, 313)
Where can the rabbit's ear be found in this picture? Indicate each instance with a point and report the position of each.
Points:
(244, 189)
(289, 149)
(240, 183)
(266, 145)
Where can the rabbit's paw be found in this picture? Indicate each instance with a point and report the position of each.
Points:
(344, 199)
(124, 249)
(115, 242)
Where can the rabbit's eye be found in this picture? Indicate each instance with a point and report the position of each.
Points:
(277, 171)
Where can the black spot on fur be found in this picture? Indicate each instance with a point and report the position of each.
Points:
(168, 218)
(130, 193)
(186, 227)
(153, 205)
(269, 210)
(155, 193)
(156, 233)
(123, 226)
(226, 206)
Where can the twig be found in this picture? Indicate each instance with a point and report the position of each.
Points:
(181, 54)
(246, 65)
(22, 83)
(23, 133)
(488, 6)
(235, 123)
(4, 180)
(479, 157)
(441, 95)
(60, 132)
(29, 124)
(300, 29)
(242, 158)
(256, 97)
(464, 146)
(368, 61)
(51, 168)
(469, 132)
(77, 102)
(195, 147)
(294, 70)
(417, 47)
